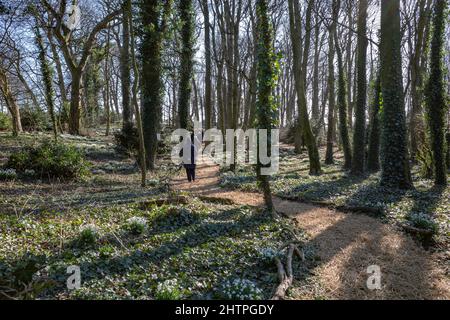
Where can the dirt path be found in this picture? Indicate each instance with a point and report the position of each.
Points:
(346, 245)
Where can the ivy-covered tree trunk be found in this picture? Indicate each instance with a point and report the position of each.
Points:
(342, 106)
(186, 13)
(47, 76)
(153, 16)
(92, 86)
(125, 67)
(266, 109)
(300, 66)
(447, 138)
(373, 156)
(359, 134)
(435, 95)
(394, 151)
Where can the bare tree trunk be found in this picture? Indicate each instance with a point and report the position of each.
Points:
(329, 158)
(196, 101)
(115, 99)
(125, 74)
(26, 85)
(315, 99)
(300, 79)
(342, 106)
(137, 110)
(416, 123)
(75, 103)
(75, 66)
(350, 101)
(253, 74)
(10, 103)
(62, 86)
(107, 89)
(219, 86)
(208, 76)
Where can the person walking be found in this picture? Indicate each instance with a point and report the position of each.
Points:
(190, 158)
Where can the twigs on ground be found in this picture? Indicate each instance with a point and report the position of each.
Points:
(299, 254)
(13, 294)
(4, 292)
(120, 242)
(285, 272)
(416, 231)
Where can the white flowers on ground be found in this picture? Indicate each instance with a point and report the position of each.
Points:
(153, 183)
(423, 221)
(89, 234)
(168, 290)
(136, 225)
(269, 254)
(8, 174)
(29, 173)
(241, 289)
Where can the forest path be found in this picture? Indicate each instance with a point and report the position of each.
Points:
(345, 246)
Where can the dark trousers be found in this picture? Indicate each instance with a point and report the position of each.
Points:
(190, 171)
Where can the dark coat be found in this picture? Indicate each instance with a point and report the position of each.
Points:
(193, 161)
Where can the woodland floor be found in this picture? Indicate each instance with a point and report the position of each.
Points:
(210, 240)
(345, 244)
